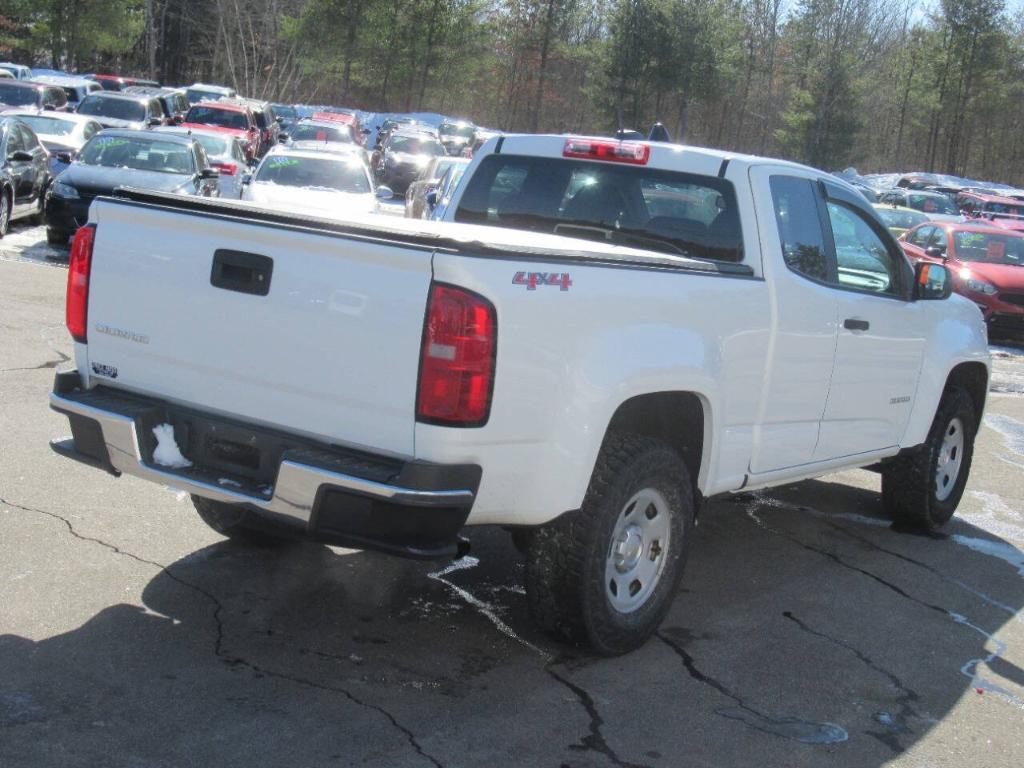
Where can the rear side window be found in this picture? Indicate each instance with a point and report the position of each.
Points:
(640, 207)
(796, 214)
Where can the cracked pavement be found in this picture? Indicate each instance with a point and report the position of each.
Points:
(806, 632)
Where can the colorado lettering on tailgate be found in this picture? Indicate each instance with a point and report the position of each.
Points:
(532, 279)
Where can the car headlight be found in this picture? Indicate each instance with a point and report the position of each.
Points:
(979, 286)
(61, 189)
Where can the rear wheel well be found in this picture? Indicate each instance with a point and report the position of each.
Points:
(972, 377)
(674, 418)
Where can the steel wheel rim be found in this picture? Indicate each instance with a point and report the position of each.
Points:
(950, 459)
(638, 551)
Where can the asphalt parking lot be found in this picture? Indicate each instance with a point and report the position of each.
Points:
(807, 631)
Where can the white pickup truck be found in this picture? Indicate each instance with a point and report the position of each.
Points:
(597, 337)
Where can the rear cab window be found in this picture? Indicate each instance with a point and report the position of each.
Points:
(643, 207)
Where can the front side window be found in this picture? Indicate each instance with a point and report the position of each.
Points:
(15, 143)
(636, 206)
(796, 214)
(863, 260)
(921, 236)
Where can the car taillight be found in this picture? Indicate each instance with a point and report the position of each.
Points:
(226, 169)
(611, 151)
(457, 358)
(76, 313)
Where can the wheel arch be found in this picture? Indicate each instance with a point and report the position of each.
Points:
(972, 377)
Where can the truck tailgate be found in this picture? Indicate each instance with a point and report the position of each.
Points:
(331, 350)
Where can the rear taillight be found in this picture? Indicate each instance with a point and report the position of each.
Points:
(611, 151)
(78, 282)
(457, 358)
(226, 169)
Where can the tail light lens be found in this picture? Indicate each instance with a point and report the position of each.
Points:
(457, 358)
(76, 314)
(610, 151)
(226, 169)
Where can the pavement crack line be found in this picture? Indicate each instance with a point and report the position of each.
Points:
(969, 669)
(797, 729)
(218, 647)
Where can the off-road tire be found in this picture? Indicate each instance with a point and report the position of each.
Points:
(237, 523)
(909, 488)
(565, 565)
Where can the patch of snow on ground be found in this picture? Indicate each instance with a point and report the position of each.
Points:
(1007, 370)
(167, 453)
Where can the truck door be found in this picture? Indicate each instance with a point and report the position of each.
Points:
(804, 306)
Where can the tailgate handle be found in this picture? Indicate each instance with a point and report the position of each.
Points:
(241, 272)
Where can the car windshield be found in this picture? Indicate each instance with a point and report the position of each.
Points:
(897, 219)
(637, 206)
(989, 248)
(415, 146)
(223, 118)
(283, 110)
(195, 96)
(1008, 209)
(931, 204)
(315, 173)
(50, 126)
(16, 96)
(452, 129)
(313, 132)
(118, 109)
(143, 154)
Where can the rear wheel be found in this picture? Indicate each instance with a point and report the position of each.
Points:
(606, 575)
(53, 237)
(237, 523)
(5, 213)
(922, 490)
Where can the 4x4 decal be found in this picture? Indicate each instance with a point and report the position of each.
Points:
(532, 279)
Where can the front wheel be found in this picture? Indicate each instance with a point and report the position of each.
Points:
(606, 575)
(5, 213)
(922, 490)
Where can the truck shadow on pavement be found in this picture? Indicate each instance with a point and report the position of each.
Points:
(801, 634)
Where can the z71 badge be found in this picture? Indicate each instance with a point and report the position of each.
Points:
(532, 279)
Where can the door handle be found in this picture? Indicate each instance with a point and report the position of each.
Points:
(852, 324)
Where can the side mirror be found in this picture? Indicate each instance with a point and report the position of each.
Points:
(154, 121)
(20, 156)
(936, 251)
(431, 198)
(246, 178)
(384, 193)
(178, 119)
(282, 138)
(209, 173)
(65, 157)
(279, 119)
(932, 281)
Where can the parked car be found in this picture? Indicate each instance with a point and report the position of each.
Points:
(577, 380)
(63, 134)
(437, 201)
(345, 118)
(120, 110)
(937, 207)
(308, 129)
(75, 88)
(389, 126)
(428, 181)
(332, 185)
(198, 92)
(237, 119)
(119, 83)
(173, 100)
(288, 114)
(16, 71)
(976, 204)
(22, 94)
(117, 158)
(266, 121)
(987, 265)
(403, 156)
(224, 151)
(899, 219)
(456, 135)
(6, 75)
(24, 172)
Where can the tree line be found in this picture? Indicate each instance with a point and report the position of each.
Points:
(879, 84)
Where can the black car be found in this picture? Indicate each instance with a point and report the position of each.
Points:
(456, 135)
(18, 93)
(146, 159)
(173, 100)
(24, 174)
(403, 156)
(288, 114)
(119, 110)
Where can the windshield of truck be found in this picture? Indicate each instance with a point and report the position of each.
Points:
(897, 219)
(636, 206)
(16, 96)
(931, 204)
(989, 248)
(416, 146)
(49, 126)
(283, 110)
(329, 174)
(115, 108)
(314, 132)
(196, 95)
(454, 129)
(141, 154)
(222, 118)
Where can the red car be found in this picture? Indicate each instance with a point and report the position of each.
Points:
(987, 264)
(346, 118)
(232, 118)
(979, 204)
